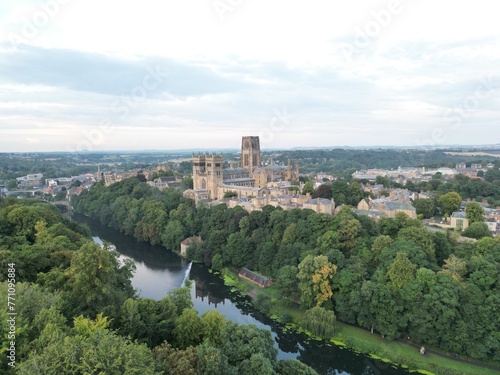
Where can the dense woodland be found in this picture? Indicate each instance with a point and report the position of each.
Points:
(392, 276)
(77, 312)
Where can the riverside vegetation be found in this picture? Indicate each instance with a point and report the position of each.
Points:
(77, 312)
(392, 277)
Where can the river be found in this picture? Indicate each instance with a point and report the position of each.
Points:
(159, 271)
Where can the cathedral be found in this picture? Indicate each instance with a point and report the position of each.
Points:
(211, 181)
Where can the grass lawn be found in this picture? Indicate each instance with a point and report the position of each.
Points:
(363, 341)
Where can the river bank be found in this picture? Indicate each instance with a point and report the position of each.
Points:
(403, 354)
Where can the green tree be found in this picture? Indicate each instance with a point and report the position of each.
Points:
(240, 342)
(173, 235)
(22, 220)
(90, 346)
(422, 237)
(477, 230)
(146, 320)
(187, 183)
(308, 188)
(474, 212)
(230, 194)
(424, 207)
(383, 180)
(213, 324)
(213, 362)
(188, 329)
(454, 267)
(294, 367)
(12, 184)
(348, 231)
(320, 322)
(287, 282)
(96, 282)
(256, 364)
(449, 203)
(315, 275)
(381, 242)
(492, 175)
(401, 271)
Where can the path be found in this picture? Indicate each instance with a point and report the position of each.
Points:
(450, 356)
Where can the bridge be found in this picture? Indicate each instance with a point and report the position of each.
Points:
(19, 192)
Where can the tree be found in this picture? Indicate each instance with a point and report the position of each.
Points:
(449, 202)
(173, 234)
(474, 212)
(315, 275)
(22, 220)
(230, 194)
(477, 230)
(188, 329)
(12, 184)
(294, 367)
(323, 191)
(96, 282)
(401, 271)
(320, 322)
(308, 188)
(187, 183)
(383, 180)
(424, 207)
(90, 346)
(422, 237)
(340, 190)
(381, 242)
(212, 362)
(454, 267)
(61, 195)
(286, 282)
(240, 342)
(256, 364)
(348, 231)
(213, 324)
(492, 175)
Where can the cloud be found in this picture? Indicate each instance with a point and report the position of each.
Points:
(389, 95)
(97, 73)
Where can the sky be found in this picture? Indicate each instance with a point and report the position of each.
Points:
(89, 75)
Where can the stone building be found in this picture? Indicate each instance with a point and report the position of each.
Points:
(211, 181)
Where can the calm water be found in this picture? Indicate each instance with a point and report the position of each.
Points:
(159, 271)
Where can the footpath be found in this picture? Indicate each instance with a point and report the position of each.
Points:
(454, 357)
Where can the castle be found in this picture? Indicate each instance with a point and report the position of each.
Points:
(211, 181)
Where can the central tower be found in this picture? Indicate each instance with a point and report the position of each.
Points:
(250, 153)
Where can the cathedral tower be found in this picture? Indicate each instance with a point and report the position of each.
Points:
(207, 173)
(250, 153)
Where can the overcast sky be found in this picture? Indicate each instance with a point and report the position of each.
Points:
(157, 74)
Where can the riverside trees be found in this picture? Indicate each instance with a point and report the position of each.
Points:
(77, 312)
(392, 276)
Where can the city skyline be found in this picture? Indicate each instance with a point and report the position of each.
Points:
(184, 75)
